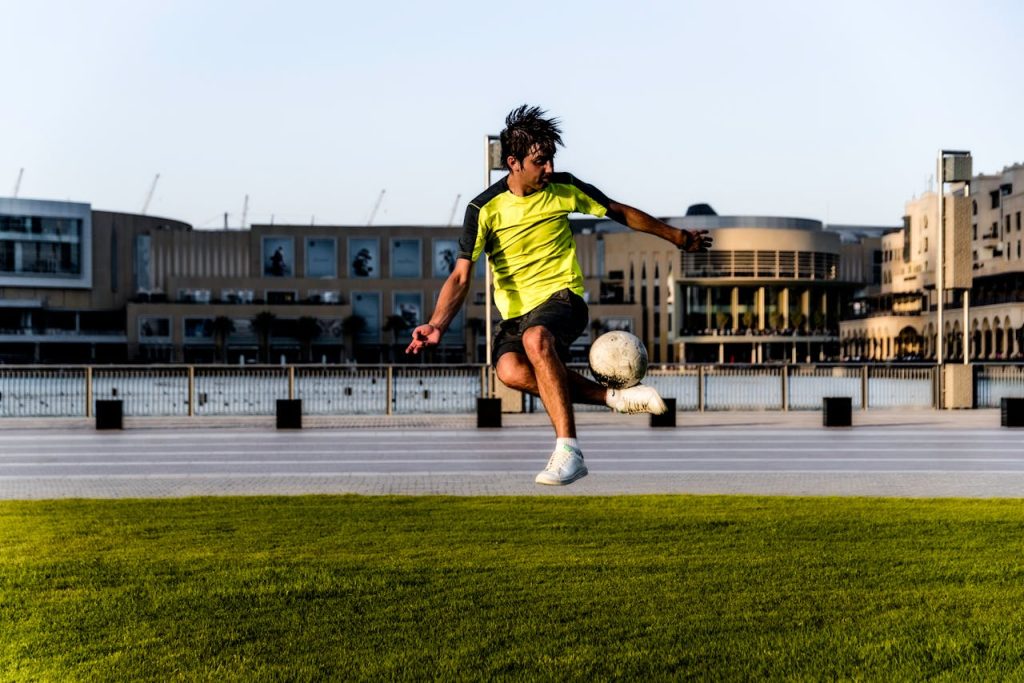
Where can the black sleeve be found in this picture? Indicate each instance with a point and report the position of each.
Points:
(470, 228)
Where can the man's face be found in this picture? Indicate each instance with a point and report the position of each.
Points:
(535, 170)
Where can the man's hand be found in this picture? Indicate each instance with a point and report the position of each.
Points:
(423, 336)
(692, 241)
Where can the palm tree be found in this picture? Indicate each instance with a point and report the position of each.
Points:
(474, 328)
(796, 320)
(307, 328)
(395, 324)
(818, 320)
(262, 324)
(351, 328)
(222, 329)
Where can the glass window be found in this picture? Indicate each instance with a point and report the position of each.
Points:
(364, 258)
(278, 256)
(367, 306)
(198, 329)
(154, 328)
(444, 256)
(409, 305)
(280, 296)
(321, 257)
(406, 258)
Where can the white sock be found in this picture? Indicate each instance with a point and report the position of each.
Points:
(571, 443)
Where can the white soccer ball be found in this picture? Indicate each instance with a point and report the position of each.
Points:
(618, 360)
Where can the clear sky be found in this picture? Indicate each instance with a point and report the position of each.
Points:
(817, 109)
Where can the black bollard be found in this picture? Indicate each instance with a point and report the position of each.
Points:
(289, 413)
(668, 418)
(488, 412)
(1012, 412)
(837, 411)
(109, 414)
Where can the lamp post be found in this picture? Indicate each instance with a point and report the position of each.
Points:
(951, 167)
(493, 162)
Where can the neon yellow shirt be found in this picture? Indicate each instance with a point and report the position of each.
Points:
(528, 240)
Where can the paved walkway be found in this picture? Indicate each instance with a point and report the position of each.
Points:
(915, 453)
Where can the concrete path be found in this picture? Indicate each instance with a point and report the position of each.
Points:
(916, 453)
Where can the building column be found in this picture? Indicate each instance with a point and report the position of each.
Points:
(721, 354)
(784, 305)
(760, 307)
(734, 306)
(709, 319)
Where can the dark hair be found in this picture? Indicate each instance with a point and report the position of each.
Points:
(526, 127)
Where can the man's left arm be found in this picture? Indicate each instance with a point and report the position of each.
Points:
(686, 240)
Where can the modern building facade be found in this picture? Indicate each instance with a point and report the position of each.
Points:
(67, 274)
(81, 285)
(771, 290)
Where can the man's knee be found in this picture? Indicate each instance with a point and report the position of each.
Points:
(539, 341)
(512, 372)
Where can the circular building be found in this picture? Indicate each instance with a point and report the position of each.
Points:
(769, 290)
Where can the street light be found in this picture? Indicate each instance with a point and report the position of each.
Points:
(493, 162)
(953, 167)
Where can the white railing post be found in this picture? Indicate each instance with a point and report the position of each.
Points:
(864, 388)
(191, 391)
(700, 388)
(390, 391)
(785, 388)
(88, 392)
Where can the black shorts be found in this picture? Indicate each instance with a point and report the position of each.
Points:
(564, 315)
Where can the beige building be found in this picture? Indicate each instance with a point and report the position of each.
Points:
(771, 290)
(85, 286)
(898, 318)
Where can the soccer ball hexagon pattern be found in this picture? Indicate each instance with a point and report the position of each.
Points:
(618, 360)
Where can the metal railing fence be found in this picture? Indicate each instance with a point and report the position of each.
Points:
(205, 390)
(992, 383)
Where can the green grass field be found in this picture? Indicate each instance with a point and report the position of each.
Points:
(554, 588)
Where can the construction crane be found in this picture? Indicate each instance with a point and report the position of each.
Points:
(245, 211)
(455, 206)
(149, 197)
(376, 206)
(17, 183)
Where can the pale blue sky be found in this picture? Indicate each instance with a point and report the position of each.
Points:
(832, 111)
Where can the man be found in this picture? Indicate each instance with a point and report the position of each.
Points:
(522, 223)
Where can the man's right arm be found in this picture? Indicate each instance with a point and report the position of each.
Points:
(449, 301)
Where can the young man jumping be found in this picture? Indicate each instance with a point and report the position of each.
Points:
(522, 223)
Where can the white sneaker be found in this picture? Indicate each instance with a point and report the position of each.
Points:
(636, 399)
(564, 467)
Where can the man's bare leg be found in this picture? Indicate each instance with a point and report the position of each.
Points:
(552, 379)
(516, 372)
